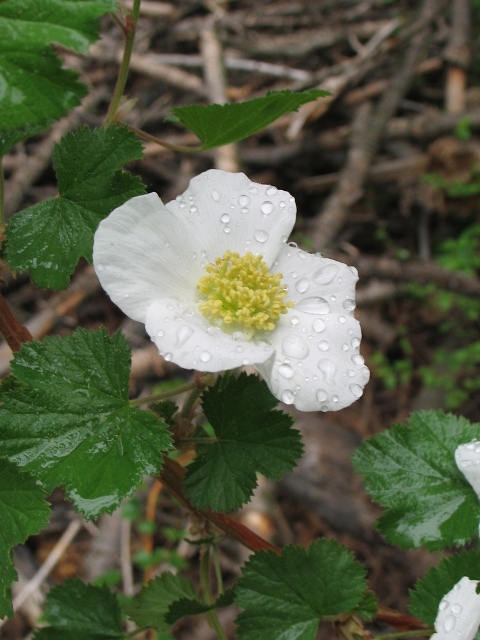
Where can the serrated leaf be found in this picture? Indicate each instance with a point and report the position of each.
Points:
(50, 237)
(35, 88)
(10, 137)
(285, 596)
(251, 436)
(438, 581)
(71, 424)
(219, 124)
(188, 607)
(411, 470)
(76, 610)
(23, 512)
(152, 603)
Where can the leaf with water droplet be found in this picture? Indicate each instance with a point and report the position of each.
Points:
(411, 470)
(252, 437)
(69, 421)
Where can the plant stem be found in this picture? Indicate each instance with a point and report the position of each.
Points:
(129, 31)
(162, 143)
(405, 634)
(207, 595)
(189, 402)
(2, 205)
(164, 395)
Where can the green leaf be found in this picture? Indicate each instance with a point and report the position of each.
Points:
(219, 124)
(23, 512)
(411, 470)
(70, 422)
(152, 603)
(285, 596)
(75, 610)
(36, 90)
(50, 237)
(188, 607)
(251, 437)
(10, 137)
(438, 581)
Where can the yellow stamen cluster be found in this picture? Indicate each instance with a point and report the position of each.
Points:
(240, 291)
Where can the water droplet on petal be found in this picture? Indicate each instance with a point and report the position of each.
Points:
(313, 305)
(271, 191)
(238, 336)
(243, 200)
(295, 347)
(357, 390)
(357, 359)
(126, 295)
(318, 325)
(160, 333)
(342, 319)
(226, 229)
(205, 356)
(287, 396)
(443, 605)
(168, 357)
(321, 395)
(325, 275)
(193, 209)
(323, 345)
(349, 305)
(214, 331)
(457, 608)
(253, 190)
(261, 235)
(182, 335)
(286, 371)
(328, 368)
(355, 342)
(302, 285)
(449, 623)
(295, 320)
(225, 218)
(335, 398)
(216, 195)
(266, 207)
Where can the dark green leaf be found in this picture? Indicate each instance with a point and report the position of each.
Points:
(50, 237)
(23, 512)
(35, 88)
(10, 137)
(75, 610)
(251, 436)
(71, 422)
(438, 581)
(216, 124)
(411, 470)
(153, 602)
(188, 607)
(285, 596)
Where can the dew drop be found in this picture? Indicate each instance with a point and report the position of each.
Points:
(271, 191)
(355, 343)
(328, 368)
(214, 331)
(281, 204)
(168, 357)
(344, 346)
(357, 390)
(302, 285)
(313, 305)
(287, 396)
(449, 623)
(286, 371)
(205, 356)
(253, 190)
(182, 335)
(295, 320)
(126, 295)
(342, 319)
(443, 605)
(335, 398)
(295, 347)
(351, 373)
(225, 218)
(238, 336)
(226, 229)
(457, 608)
(160, 333)
(318, 325)
(349, 305)
(357, 359)
(266, 207)
(245, 361)
(239, 349)
(293, 274)
(193, 209)
(321, 395)
(323, 345)
(243, 200)
(261, 235)
(216, 195)
(325, 275)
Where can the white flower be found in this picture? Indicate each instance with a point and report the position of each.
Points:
(458, 615)
(212, 277)
(467, 457)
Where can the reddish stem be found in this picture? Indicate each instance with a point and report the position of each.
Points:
(13, 332)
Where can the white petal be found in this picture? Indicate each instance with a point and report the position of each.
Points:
(228, 211)
(458, 615)
(142, 252)
(183, 335)
(467, 457)
(316, 364)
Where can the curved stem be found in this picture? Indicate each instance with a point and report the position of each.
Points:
(207, 594)
(405, 634)
(164, 395)
(129, 31)
(162, 143)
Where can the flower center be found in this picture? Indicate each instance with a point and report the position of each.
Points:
(241, 293)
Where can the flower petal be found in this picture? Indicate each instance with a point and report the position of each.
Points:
(228, 211)
(467, 457)
(316, 364)
(458, 615)
(183, 335)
